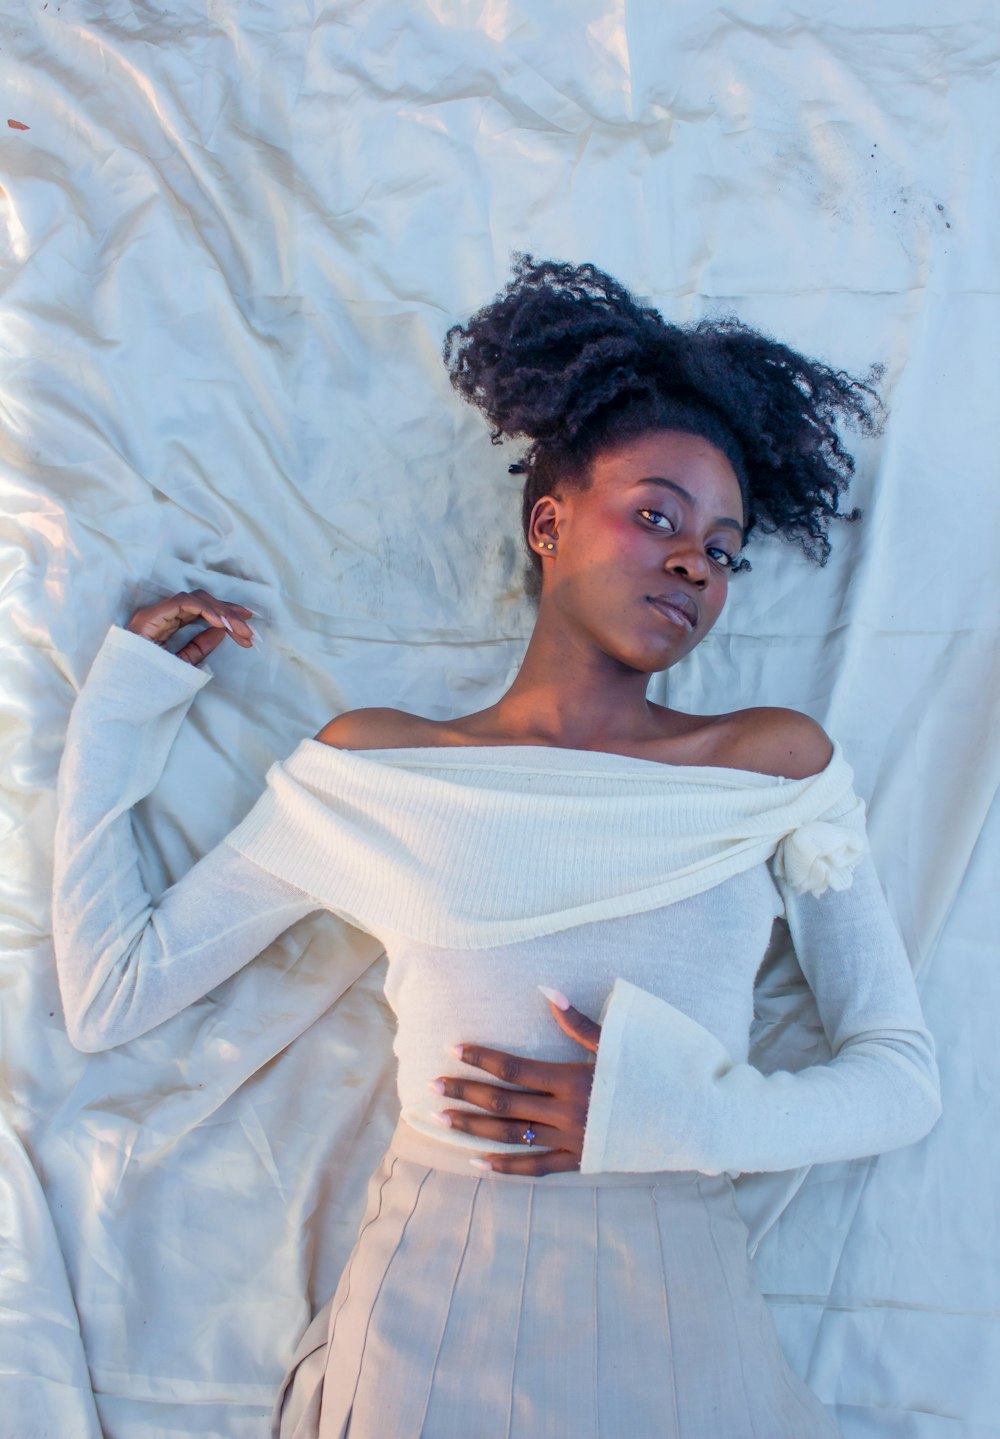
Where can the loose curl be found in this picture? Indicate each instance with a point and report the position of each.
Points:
(567, 358)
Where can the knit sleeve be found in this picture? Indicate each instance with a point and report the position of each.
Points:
(667, 1095)
(124, 963)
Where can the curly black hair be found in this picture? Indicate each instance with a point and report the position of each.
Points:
(566, 357)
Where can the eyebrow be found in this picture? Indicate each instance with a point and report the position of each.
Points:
(686, 495)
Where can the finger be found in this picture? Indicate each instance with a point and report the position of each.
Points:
(492, 1097)
(201, 646)
(557, 1161)
(537, 1074)
(580, 1027)
(227, 615)
(505, 1131)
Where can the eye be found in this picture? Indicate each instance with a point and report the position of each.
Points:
(651, 516)
(722, 557)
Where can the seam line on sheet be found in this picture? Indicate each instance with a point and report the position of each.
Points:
(447, 1307)
(666, 1313)
(777, 1300)
(856, 1202)
(520, 1307)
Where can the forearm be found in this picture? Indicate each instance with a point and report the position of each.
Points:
(124, 963)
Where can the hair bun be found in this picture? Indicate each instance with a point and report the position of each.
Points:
(555, 328)
(567, 358)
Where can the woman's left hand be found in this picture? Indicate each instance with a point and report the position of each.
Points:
(549, 1104)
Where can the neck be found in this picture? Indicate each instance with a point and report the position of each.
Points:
(571, 694)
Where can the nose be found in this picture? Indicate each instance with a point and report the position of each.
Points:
(690, 564)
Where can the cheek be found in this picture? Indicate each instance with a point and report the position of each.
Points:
(615, 541)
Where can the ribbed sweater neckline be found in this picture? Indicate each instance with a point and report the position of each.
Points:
(564, 759)
(471, 846)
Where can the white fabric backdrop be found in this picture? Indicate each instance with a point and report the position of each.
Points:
(235, 234)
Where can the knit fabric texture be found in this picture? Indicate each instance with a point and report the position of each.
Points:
(475, 846)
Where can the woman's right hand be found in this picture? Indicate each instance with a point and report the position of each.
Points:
(158, 622)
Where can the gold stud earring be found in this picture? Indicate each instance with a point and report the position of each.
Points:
(546, 544)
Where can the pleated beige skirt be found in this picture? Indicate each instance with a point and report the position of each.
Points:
(602, 1306)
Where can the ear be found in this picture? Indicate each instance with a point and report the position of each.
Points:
(543, 527)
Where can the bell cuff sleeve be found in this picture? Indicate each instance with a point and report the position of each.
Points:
(668, 1096)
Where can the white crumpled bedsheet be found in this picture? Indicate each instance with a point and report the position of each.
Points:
(235, 234)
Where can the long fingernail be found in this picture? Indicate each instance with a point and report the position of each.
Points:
(480, 1164)
(440, 1118)
(457, 1050)
(227, 625)
(437, 1085)
(555, 997)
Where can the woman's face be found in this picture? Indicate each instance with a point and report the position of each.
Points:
(642, 557)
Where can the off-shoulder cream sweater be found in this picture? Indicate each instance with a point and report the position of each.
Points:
(645, 892)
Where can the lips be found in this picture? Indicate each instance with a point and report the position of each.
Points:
(678, 607)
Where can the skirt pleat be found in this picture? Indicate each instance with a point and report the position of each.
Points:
(405, 1328)
(481, 1334)
(635, 1376)
(565, 1307)
(556, 1356)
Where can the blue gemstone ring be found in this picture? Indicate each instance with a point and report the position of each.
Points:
(529, 1136)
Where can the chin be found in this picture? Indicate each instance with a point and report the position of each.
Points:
(641, 647)
(649, 659)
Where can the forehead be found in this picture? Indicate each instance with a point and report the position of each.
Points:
(689, 460)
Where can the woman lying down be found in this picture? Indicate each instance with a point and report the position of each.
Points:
(574, 888)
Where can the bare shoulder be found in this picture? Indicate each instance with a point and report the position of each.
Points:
(777, 741)
(377, 729)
